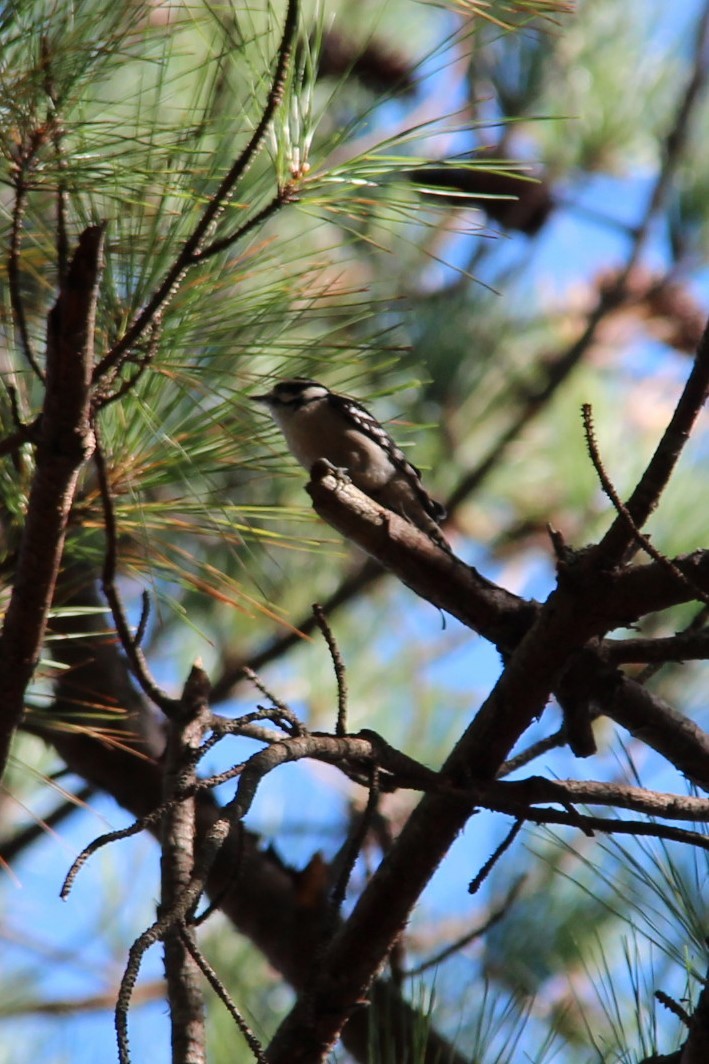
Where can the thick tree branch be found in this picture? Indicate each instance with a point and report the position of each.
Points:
(539, 789)
(380, 915)
(185, 734)
(596, 602)
(685, 646)
(65, 441)
(410, 555)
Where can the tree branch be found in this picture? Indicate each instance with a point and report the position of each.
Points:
(65, 441)
(619, 538)
(214, 208)
(185, 733)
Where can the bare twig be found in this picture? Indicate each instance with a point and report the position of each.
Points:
(285, 714)
(282, 717)
(613, 826)
(497, 914)
(141, 363)
(623, 511)
(542, 746)
(674, 1007)
(695, 625)
(618, 540)
(98, 843)
(144, 617)
(125, 992)
(339, 667)
(286, 194)
(475, 884)
(352, 848)
(223, 994)
(331, 749)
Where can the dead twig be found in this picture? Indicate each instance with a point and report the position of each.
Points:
(495, 917)
(339, 667)
(223, 994)
(623, 511)
(475, 884)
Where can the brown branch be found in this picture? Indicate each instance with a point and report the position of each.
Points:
(594, 601)
(410, 555)
(141, 364)
(223, 994)
(613, 826)
(542, 746)
(351, 850)
(285, 715)
(618, 540)
(641, 540)
(685, 646)
(141, 824)
(476, 883)
(285, 194)
(697, 624)
(185, 733)
(214, 208)
(523, 793)
(64, 444)
(339, 667)
(572, 615)
(125, 991)
(646, 716)
(379, 916)
(261, 898)
(641, 589)
(674, 1007)
(696, 1048)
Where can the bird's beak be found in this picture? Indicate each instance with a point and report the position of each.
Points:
(259, 398)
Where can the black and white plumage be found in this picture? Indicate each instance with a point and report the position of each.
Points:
(318, 423)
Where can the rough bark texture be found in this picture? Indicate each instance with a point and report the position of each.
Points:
(64, 442)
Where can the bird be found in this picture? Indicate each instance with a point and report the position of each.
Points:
(319, 423)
